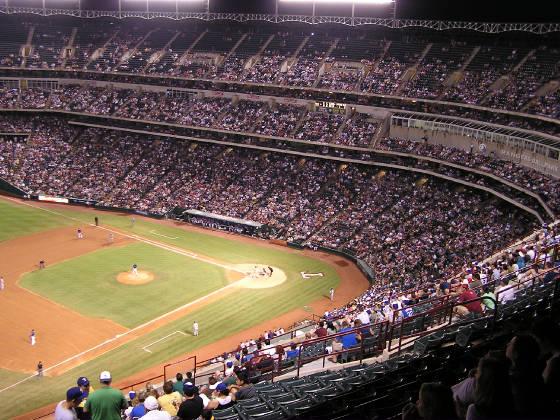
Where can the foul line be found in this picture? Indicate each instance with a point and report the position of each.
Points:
(169, 248)
(153, 232)
(145, 348)
(200, 299)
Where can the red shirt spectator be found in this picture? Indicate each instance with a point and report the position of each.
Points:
(475, 306)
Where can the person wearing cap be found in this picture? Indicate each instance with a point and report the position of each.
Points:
(152, 410)
(222, 398)
(466, 295)
(106, 403)
(132, 402)
(66, 409)
(192, 406)
(138, 409)
(85, 386)
(170, 400)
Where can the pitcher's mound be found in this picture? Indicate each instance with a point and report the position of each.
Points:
(142, 277)
(260, 281)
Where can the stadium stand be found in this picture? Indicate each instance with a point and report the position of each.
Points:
(424, 217)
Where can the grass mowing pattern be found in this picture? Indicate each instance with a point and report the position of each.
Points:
(17, 220)
(229, 315)
(177, 280)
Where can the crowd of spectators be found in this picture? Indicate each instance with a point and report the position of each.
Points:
(387, 219)
(537, 182)
(116, 52)
(321, 127)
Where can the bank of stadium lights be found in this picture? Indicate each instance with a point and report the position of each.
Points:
(148, 2)
(352, 3)
(340, 1)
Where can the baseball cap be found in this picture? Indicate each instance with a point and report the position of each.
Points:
(74, 394)
(229, 364)
(105, 376)
(151, 403)
(189, 389)
(465, 283)
(132, 395)
(83, 381)
(221, 387)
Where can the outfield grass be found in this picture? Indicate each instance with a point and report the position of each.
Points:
(17, 220)
(229, 315)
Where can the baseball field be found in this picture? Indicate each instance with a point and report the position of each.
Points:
(90, 312)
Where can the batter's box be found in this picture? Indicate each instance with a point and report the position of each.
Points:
(145, 348)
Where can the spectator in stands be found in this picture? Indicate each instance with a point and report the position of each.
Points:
(85, 386)
(65, 409)
(150, 390)
(547, 332)
(488, 304)
(321, 331)
(493, 397)
(530, 396)
(106, 403)
(222, 399)
(192, 406)
(138, 409)
(293, 352)
(152, 409)
(170, 400)
(178, 384)
(471, 307)
(435, 401)
(244, 389)
(505, 291)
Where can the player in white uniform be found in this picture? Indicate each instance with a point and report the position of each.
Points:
(80, 235)
(134, 270)
(32, 337)
(2, 286)
(255, 272)
(331, 293)
(195, 328)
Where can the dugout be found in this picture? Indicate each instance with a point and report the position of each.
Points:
(218, 221)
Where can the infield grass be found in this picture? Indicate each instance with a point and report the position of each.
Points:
(228, 315)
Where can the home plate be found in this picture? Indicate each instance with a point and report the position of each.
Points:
(118, 335)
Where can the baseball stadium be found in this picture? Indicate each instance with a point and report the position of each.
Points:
(285, 209)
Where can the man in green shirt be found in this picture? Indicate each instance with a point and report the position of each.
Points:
(106, 403)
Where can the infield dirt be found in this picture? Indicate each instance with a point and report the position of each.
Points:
(56, 342)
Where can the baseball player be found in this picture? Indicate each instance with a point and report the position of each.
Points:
(80, 235)
(32, 337)
(134, 270)
(270, 270)
(331, 293)
(255, 272)
(40, 368)
(111, 238)
(264, 272)
(195, 328)
(1, 283)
